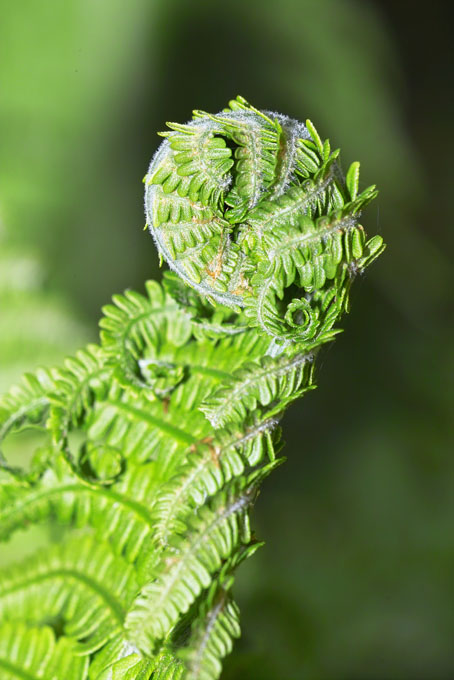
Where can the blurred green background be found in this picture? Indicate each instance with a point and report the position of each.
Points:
(356, 580)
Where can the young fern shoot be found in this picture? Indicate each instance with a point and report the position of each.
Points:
(156, 440)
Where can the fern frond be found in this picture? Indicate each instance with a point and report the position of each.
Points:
(144, 430)
(26, 403)
(287, 210)
(208, 321)
(293, 218)
(158, 439)
(204, 157)
(185, 569)
(168, 667)
(256, 160)
(212, 636)
(84, 379)
(120, 513)
(212, 463)
(271, 379)
(82, 582)
(120, 660)
(33, 653)
(135, 322)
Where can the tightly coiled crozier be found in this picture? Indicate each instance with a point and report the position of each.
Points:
(251, 209)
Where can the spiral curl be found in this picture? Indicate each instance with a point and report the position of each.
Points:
(157, 440)
(251, 209)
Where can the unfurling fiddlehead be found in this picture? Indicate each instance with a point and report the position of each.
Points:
(157, 440)
(251, 209)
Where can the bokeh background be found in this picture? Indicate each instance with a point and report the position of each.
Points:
(356, 580)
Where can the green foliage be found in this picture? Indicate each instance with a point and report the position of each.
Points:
(211, 636)
(282, 217)
(81, 582)
(32, 653)
(157, 440)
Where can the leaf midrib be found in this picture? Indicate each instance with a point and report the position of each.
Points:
(114, 605)
(136, 507)
(175, 432)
